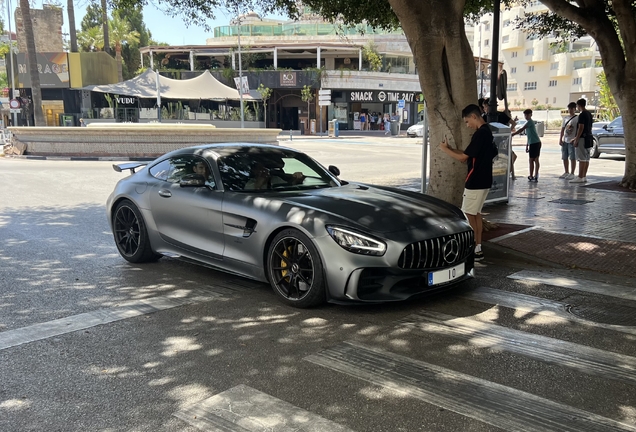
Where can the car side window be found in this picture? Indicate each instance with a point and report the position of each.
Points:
(616, 123)
(174, 169)
(161, 170)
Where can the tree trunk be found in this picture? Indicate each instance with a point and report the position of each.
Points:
(36, 93)
(436, 35)
(118, 59)
(105, 27)
(71, 25)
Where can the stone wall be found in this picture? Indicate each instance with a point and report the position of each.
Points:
(47, 29)
(131, 142)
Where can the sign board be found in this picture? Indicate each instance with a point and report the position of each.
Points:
(288, 79)
(379, 96)
(401, 103)
(245, 88)
(52, 67)
(14, 104)
(322, 92)
(324, 97)
(324, 103)
(15, 110)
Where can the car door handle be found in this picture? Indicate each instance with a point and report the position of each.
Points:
(165, 193)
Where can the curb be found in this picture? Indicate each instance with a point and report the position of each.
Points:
(85, 158)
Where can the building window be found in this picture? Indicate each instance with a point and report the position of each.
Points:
(533, 37)
(581, 64)
(531, 68)
(552, 83)
(514, 54)
(530, 85)
(512, 87)
(506, 23)
(487, 42)
(530, 51)
(487, 27)
(513, 70)
(554, 100)
(554, 66)
(578, 80)
(505, 39)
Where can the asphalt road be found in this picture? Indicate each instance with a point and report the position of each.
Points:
(89, 342)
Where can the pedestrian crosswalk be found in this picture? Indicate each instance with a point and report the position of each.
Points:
(498, 405)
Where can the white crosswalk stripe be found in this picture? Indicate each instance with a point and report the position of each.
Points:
(489, 402)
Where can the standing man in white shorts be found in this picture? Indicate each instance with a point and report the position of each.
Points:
(478, 156)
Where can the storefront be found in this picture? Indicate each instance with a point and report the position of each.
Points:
(357, 109)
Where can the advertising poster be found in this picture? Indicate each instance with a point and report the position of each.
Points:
(53, 69)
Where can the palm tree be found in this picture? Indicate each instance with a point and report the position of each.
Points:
(105, 27)
(70, 9)
(121, 34)
(91, 39)
(36, 93)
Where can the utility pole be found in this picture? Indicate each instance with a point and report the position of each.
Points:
(494, 63)
(240, 86)
(15, 115)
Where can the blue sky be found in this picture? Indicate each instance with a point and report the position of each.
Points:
(172, 31)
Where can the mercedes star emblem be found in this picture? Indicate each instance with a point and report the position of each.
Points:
(450, 251)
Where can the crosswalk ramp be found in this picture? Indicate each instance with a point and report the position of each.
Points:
(426, 378)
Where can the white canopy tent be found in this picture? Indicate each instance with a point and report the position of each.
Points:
(204, 87)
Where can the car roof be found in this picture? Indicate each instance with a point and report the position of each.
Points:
(218, 150)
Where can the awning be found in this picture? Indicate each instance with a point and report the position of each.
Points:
(204, 86)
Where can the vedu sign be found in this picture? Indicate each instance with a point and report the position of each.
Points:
(288, 79)
(126, 100)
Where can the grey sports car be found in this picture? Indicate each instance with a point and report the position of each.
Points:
(276, 215)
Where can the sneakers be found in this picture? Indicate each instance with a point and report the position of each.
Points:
(565, 175)
(479, 256)
(579, 180)
(533, 179)
(570, 176)
(530, 178)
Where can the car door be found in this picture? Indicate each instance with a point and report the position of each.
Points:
(612, 141)
(189, 218)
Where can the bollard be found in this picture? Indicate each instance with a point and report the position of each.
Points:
(291, 138)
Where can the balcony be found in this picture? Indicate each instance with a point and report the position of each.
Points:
(565, 65)
(540, 51)
(516, 39)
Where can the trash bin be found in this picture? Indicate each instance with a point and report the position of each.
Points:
(302, 128)
(312, 127)
(540, 128)
(395, 127)
(336, 128)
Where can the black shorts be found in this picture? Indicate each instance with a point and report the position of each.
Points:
(535, 150)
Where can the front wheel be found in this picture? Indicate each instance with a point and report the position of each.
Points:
(295, 270)
(131, 234)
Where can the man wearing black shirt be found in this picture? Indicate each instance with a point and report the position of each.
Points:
(478, 156)
(583, 141)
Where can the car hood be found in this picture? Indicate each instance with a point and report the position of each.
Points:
(382, 209)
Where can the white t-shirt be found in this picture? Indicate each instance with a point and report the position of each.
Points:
(570, 124)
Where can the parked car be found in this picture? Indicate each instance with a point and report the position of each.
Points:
(610, 139)
(417, 130)
(275, 215)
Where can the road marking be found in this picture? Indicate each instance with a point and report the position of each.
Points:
(514, 233)
(591, 361)
(566, 281)
(244, 409)
(494, 404)
(130, 309)
(536, 305)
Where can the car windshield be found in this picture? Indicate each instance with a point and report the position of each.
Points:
(616, 123)
(256, 169)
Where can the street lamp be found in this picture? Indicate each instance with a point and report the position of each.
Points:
(240, 86)
(15, 114)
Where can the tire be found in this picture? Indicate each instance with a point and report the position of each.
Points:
(295, 271)
(594, 149)
(131, 235)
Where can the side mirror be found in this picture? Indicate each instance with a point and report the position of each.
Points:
(192, 180)
(605, 127)
(334, 170)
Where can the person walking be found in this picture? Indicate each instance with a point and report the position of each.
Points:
(478, 156)
(568, 132)
(387, 124)
(533, 145)
(582, 142)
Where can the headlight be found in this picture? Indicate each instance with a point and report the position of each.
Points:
(356, 242)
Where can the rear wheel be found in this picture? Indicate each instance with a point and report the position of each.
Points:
(131, 235)
(594, 149)
(295, 270)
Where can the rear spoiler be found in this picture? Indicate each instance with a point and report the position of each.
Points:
(132, 166)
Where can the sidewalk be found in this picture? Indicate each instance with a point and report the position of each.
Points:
(590, 227)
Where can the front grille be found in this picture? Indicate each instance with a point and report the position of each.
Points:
(429, 254)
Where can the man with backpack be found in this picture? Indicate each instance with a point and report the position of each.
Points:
(478, 156)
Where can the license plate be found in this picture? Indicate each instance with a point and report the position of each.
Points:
(446, 275)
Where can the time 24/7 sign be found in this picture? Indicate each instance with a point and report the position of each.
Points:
(380, 96)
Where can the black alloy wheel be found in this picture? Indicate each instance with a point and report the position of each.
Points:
(294, 269)
(131, 236)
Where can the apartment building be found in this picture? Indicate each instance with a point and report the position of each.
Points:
(540, 71)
